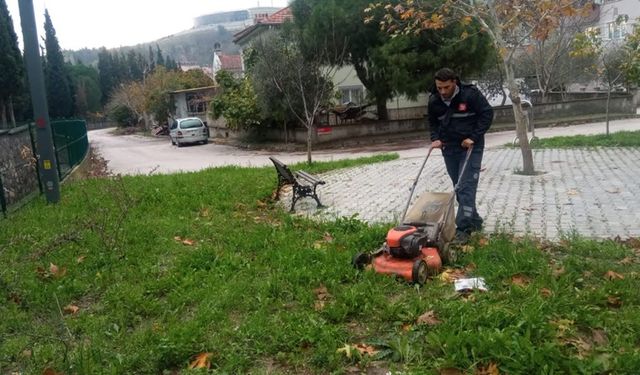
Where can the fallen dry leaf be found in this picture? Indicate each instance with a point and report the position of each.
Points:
(185, 241)
(599, 336)
(467, 249)
(613, 190)
(366, 349)
(327, 237)
(558, 272)
(562, 326)
(520, 280)
(204, 212)
(202, 360)
(361, 349)
(613, 276)
(56, 271)
(26, 353)
(483, 241)
(581, 345)
(50, 371)
(15, 298)
(626, 261)
(490, 369)
(322, 296)
(450, 275)
(572, 192)
(546, 292)
(261, 204)
(81, 259)
(470, 267)
(71, 309)
(429, 318)
(322, 293)
(407, 327)
(614, 302)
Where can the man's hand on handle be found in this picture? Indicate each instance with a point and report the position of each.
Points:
(467, 143)
(436, 144)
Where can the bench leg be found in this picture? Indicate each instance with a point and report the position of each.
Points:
(294, 199)
(315, 196)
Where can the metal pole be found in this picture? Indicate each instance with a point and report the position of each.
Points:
(46, 157)
(3, 202)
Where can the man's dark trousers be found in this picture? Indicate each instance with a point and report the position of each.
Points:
(467, 218)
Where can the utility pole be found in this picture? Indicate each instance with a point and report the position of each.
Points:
(47, 163)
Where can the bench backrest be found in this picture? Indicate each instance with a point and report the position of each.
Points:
(283, 171)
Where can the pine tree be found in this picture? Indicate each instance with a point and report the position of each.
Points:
(136, 71)
(58, 81)
(11, 67)
(159, 57)
(106, 74)
(152, 61)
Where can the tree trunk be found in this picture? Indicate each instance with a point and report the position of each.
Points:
(145, 116)
(521, 124)
(3, 115)
(606, 116)
(381, 107)
(286, 135)
(310, 129)
(12, 115)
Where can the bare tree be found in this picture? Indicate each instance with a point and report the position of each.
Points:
(305, 84)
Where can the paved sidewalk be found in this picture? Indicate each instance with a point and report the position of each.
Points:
(592, 192)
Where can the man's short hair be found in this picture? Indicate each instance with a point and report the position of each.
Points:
(446, 74)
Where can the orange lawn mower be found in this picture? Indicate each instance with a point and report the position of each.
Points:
(417, 247)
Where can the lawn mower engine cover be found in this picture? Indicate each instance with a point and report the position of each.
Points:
(404, 241)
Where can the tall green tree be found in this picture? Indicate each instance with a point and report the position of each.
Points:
(86, 83)
(342, 24)
(11, 67)
(58, 81)
(106, 73)
(159, 57)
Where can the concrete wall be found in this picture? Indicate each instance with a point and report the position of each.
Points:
(622, 104)
(17, 165)
(334, 133)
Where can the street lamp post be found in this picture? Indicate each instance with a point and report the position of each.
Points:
(45, 149)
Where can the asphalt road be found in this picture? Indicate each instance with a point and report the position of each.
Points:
(136, 154)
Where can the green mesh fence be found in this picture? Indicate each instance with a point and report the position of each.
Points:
(71, 143)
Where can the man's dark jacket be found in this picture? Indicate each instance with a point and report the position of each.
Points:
(468, 116)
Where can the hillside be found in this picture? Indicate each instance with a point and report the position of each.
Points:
(190, 47)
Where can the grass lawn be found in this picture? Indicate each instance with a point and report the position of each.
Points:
(157, 274)
(617, 139)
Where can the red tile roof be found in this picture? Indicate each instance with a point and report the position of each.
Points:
(278, 17)
(230, 62)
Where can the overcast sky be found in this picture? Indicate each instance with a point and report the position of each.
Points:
(115, 23)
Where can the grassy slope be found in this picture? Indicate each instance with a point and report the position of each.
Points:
(249, 290)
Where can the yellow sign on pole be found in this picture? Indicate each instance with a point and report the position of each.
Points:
(47, 164)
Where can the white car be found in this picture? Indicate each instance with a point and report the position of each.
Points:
(188, 130)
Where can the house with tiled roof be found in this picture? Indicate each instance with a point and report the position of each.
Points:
(263, 24)
(351, 90)
(230, 63)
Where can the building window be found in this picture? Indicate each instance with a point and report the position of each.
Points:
(196, 103)
(617, 30)
(352, 94)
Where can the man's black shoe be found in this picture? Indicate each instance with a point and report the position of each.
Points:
(462, 238)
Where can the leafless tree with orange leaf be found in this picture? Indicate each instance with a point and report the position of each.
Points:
(510, 24)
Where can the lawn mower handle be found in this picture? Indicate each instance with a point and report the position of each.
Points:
(415, 182)
(464, 168)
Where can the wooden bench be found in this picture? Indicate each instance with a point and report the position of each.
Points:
(304, 184)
